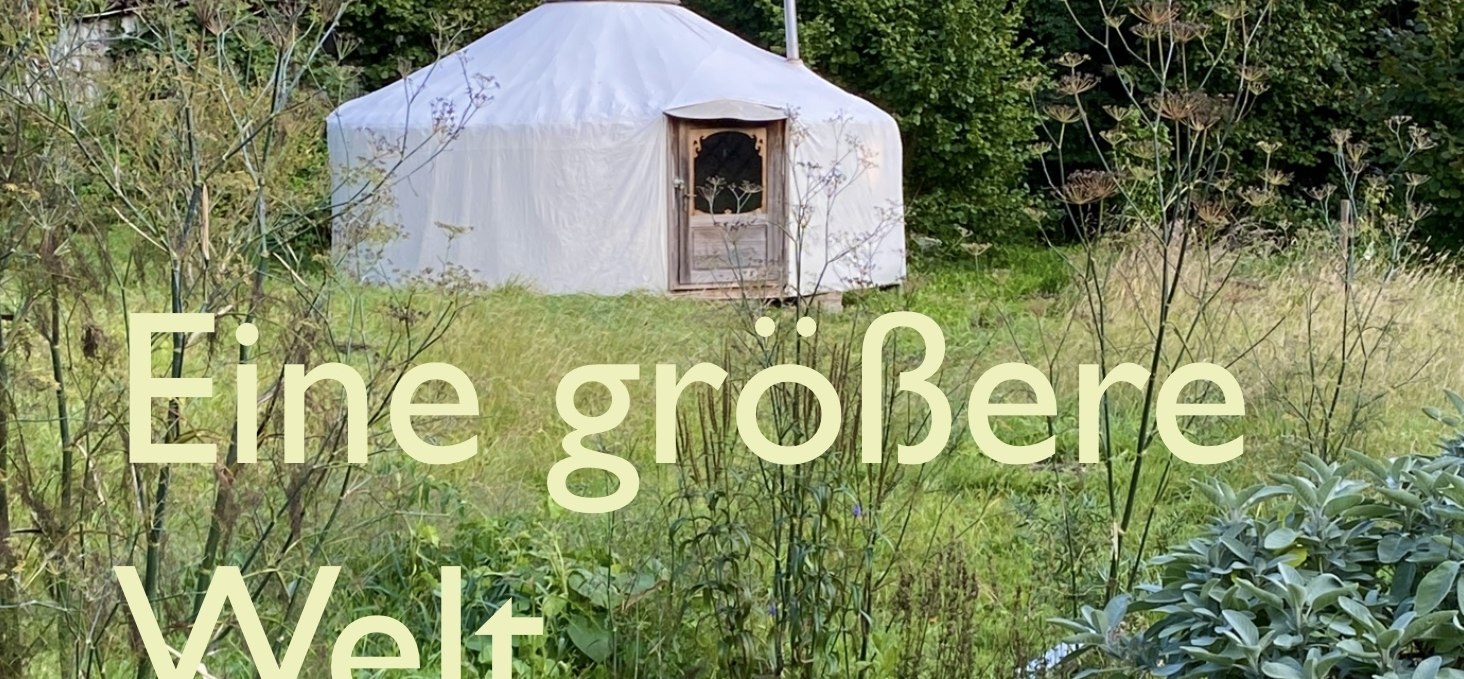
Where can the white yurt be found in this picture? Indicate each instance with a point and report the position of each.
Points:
(604, 146)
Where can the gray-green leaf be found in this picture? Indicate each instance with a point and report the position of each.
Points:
(1277, 670)
(1428, 669)
(1243, 626)
(1434, 587)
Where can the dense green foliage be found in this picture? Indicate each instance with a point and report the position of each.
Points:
(577, 592)
(1422, 75)
(948, 71)
(1328, 64)
(390, 37)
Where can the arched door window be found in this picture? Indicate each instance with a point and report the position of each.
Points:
(729, 171)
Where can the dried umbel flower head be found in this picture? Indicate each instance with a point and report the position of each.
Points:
(1421, 139)
(328, 9)
(1206, 112)
(1340, 137)
(1140, 173)
(481, 93)
(453, 231)
(1275, 178)
(1231, 12)
(1258, 196)
(1120, 113)
(1322, 193)
(1377, 188)
(1072, 60)
(1147, 32)
(1181, 106)
(1414, 180)
(1156, 12)
(1147, 149)
(1269, 147)
(444, 115)
(976, 249)
(1418, 212)
(1114, 21)
(1063, 113)
(1214, 211)
(1186, 31)
(210, 15)
(1356, 154)
(1030, 85)
(1088, 186)
(1075, 84)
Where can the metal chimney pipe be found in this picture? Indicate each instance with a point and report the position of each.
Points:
(790, 25)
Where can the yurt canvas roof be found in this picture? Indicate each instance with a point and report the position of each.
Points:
(579, 61)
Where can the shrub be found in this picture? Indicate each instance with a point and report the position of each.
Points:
(1345, 570)
(576, 591)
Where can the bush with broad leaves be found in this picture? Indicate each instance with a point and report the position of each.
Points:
(1343, 570)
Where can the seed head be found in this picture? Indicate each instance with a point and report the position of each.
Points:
(1072, 60)
(1156, 12)
(1088, 186)
(1063, 113)
(1276, 178)
(1257, 196)
(1075, 84)
(1186, 31)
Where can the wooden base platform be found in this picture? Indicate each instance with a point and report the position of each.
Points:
(826, 301)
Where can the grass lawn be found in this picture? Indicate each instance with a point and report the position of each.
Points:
(1031, 542)
(1034, 536)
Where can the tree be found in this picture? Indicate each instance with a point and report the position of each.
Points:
(949, 72)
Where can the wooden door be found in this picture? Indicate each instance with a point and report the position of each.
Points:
(728, 207)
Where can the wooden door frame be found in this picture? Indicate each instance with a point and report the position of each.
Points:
(775, 163)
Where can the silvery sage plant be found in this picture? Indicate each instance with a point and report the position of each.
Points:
(1346, 569)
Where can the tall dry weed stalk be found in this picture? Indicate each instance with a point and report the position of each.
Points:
(1154, 214)
(1372, 285)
